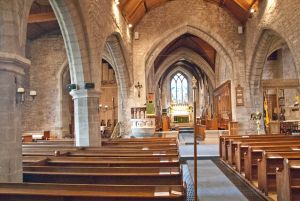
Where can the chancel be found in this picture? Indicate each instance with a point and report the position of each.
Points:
(144, 100)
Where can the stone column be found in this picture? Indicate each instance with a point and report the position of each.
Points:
(86, 117)
(11, 78)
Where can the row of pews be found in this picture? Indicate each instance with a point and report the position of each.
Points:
(123, 169)
(271, 163)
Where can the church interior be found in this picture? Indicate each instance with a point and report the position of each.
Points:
(149, 100)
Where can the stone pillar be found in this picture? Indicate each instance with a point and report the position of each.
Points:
(11, 77)
(86, 117)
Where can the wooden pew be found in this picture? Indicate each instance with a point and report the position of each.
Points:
(267, 169)
(113, 148)
(255, 152)
(96, 153)
(103, 161)
(103, 175)
(225, 139)
(112, 141)
(243, 146)
(233, 144)
(287, 181)
(140, 163)
(80, 192)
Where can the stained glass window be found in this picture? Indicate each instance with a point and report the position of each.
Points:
(179, 88)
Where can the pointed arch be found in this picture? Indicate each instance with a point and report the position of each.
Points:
(268, 42)
(170, 36)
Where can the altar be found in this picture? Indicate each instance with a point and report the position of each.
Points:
(181, 113)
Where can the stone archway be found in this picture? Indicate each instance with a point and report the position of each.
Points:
(63, 117)
(113, 53)
(85, 100)
(71, 28)
(212, 39)
(189, 55)
(168, 37)
(269, 42)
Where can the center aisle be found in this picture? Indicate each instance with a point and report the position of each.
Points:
(216, 182)
(213, 185)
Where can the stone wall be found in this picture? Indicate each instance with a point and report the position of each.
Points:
(47, 56)
(279, 17)
(162, 25)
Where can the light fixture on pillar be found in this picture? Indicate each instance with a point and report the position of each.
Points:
(138, 86)
(20, 97)
(104, 108)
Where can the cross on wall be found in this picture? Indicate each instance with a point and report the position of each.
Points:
(138, 86)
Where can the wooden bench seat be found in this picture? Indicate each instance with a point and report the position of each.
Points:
(288, 181)
(254, 138)
(152, 165)
(111, 175)
(242, 147)
(76, 192)
(112, 148)
(224, 141)
(95, 153)
(103, 161)
(267, 169)
(255, 152)
(233, 144)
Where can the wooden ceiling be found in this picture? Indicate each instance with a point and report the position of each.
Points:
(41, 20)
(189, 41)
(134, 10)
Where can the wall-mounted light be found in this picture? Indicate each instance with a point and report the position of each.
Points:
(117, 2)
(252, 10)
(32, 94)
(20, 96)
(130, 25)
(104, 108)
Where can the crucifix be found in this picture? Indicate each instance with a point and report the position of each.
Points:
(138, 86)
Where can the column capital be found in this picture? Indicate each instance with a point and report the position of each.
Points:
(85, 93)
(13, 63)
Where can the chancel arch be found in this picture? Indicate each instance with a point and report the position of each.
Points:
(188, 55)
(167, 38)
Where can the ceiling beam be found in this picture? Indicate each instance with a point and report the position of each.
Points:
(252, 3)
(41, 17)
(146, 7)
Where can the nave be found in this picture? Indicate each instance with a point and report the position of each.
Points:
(93, 93)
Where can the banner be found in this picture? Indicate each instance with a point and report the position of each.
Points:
(150, 104)
(266, 112)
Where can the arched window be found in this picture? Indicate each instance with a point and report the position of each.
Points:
(179, 88)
